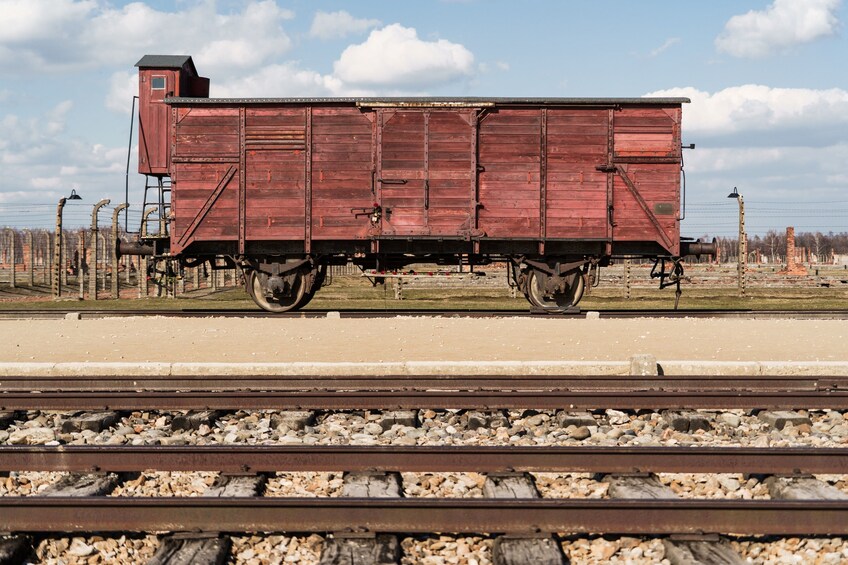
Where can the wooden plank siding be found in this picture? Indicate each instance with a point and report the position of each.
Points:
(647, 132)
(402, 172)
(205, 146)
(275, 173)
(154, 123)
(305, 172)
(647, 144)
(342, 172)
(451, 170)
(576, 195)
(509, 180)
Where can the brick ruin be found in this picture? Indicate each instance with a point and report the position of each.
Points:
(792, 268)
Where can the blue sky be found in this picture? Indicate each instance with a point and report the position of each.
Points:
(769, 92)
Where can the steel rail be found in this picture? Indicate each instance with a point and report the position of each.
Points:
(410, 400)
(421, 515)
(488, 459)
(379, 313)
(736, 384)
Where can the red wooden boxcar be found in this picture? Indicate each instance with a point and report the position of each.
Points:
(282, 188)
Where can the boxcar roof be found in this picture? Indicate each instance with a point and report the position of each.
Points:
(435, 102)
(165, 62)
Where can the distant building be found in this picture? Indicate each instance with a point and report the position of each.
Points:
(840, 259)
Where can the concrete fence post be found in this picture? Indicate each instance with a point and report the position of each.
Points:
(47, 258)
(116, 291)
(142, 278)
(30, 258)
(143, 263)
(92, 281)
(57, 252)
(102, 272)
(66, 253)
(13, 256)
(81, 263)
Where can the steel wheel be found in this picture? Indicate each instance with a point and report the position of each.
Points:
(275, 303)
(572, 296)
(320, 275)
(536, 291)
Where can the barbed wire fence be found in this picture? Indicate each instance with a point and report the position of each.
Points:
(89, 270)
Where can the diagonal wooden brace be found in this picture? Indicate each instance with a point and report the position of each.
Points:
(644, 205)
(231, 171)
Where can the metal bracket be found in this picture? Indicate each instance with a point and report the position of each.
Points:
(674, 275)
(375, 213)
(557, 270)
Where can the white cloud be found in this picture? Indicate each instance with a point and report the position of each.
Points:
(752, 108)
(392, 61)
(25, 21)
(723, 159)
(37, 152)
(394, 56)
(279, 81)
(333, 25)
(123, 85)
(56, 118)
(241, 51)
(783, 24)
(781, 145)
(72, 35)
(668, 43)
(786, 160)
(33, 136)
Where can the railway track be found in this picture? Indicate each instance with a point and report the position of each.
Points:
(416, 515)
(525, 516)
(50, 314)
(425, 515)
(480, 459)
(201, 392)
(528, 517)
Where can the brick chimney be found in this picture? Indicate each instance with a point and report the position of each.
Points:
(792, 268)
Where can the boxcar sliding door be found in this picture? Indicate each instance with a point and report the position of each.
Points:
(426, 171)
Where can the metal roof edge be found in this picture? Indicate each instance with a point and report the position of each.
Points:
(412, 102)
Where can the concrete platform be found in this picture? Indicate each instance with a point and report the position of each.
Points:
(423, 368)
(407, 345)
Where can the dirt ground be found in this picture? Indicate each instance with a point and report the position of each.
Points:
(242, 340)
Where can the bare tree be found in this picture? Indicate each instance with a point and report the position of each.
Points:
(772, 242)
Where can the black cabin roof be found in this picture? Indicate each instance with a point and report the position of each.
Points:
(166, 62)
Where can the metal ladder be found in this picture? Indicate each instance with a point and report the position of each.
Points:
(163, 206)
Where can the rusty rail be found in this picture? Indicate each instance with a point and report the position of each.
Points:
(382, 313)
(416, 392)
(419, 515)
(594, 384)
(483, 459)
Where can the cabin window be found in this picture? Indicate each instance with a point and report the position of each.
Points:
(157, 83)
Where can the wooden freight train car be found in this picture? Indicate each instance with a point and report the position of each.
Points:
(284, 187)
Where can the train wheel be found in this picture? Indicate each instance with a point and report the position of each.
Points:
(572, 296)
(276, 303)
(320, 274)
(559, 301)
(535, 292)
